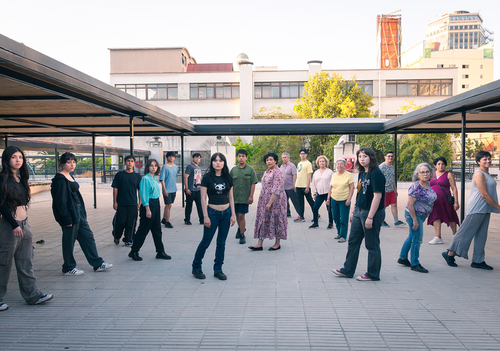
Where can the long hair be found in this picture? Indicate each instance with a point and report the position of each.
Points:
(11, 194)
(373, 160)
(225, 170)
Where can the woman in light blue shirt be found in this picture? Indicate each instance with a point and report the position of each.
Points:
(150, 213)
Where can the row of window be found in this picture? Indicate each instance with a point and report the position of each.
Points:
(150, 91)
(475, 26)
(280, 90)
(420, 87)
(201, 91)
(465, 18)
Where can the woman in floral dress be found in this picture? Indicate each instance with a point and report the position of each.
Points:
(271, 221)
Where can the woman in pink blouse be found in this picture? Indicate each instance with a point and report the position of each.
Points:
(271, 221)
(320, 185)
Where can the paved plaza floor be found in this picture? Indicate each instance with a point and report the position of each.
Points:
(282, 300)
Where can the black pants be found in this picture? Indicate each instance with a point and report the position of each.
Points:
(85, 237)
(125, 218)
(301, 192)
(196, 197)
(146, 224)
(292, 195)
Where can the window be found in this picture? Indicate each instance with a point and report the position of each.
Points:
(440, 66)
(465, 76)
(203, 91)
(278, 90)
(419, 87)
(150, 91)
(452, 66)
(481, 66)
(465, 66)
(211, 118)
(481, 76)
(465, 86)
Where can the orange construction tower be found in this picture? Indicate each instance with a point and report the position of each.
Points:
(389, 41)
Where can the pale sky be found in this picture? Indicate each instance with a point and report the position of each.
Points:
(286, 34)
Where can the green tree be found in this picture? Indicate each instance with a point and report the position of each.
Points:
(472, 147)
(417, 148)
(380, 143)
(239, 144)
(275, 143)
(330, 96)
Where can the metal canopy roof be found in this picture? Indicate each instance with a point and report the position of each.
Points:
(40, 96)
(481, 106)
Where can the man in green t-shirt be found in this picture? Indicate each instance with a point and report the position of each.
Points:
(303, 184)
(244, 180)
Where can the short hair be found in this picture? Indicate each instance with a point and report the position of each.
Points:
(286, 154)
(343, 160)
(241, 152)
(170, 153)
(270, 154)
(389, 152)
(482, 154)
(436, 160)
(150, 161)
(67, 156)
(417, 169)
(302, 150)
(196, 154)
(129, 157)
(373, 160)
(322, 157)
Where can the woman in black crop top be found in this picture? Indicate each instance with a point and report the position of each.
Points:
(16, 238)
(69, 211)
(217, 183)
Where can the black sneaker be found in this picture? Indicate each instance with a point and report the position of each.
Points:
(220, 275)
(44, 298)
(449, 259)
(404, 262)
(481, 265)
(168, 225)
(187, 222)
(419, 268)
(128, 243)
(163, 256)
(330, 226)
(116, 241)
(135, 256)
(198, 274)
(238, 234)
(299, 219)
(314, 225)
(163, 221)
(242, 239)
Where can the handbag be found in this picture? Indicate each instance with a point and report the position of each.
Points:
(451, 199)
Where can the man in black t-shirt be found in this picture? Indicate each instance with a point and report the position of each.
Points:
(125, 194)
(192, 181)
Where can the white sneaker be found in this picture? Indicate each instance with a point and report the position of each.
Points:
(3, 306)
(436, 241)
(104, 266)
(44, 298)
(74, 271)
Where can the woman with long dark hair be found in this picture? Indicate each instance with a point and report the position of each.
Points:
(16, 238)
(217, 184)
(367, 218)
(149, 213)
(69, 211)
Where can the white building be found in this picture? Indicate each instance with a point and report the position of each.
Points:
(216, 91)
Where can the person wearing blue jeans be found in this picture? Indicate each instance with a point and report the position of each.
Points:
(340, 213)
(217, 184)
(421, 198)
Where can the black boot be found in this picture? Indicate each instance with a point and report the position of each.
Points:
(135, 256)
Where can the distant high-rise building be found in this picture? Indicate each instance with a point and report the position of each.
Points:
(457, 30)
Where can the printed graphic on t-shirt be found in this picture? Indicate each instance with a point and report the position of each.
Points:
(299, 168)
(196, 178)
(219, 188)
(363, 184)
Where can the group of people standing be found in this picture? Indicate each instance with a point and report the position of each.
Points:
(223, 197)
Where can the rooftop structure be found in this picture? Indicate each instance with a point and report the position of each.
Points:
(389, 41)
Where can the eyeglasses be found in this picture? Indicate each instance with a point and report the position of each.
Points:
(425, 172)
(303, 153)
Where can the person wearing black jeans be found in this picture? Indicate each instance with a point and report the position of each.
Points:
(192, 181)
(125, 188)
(303, 184)
(150, 213)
